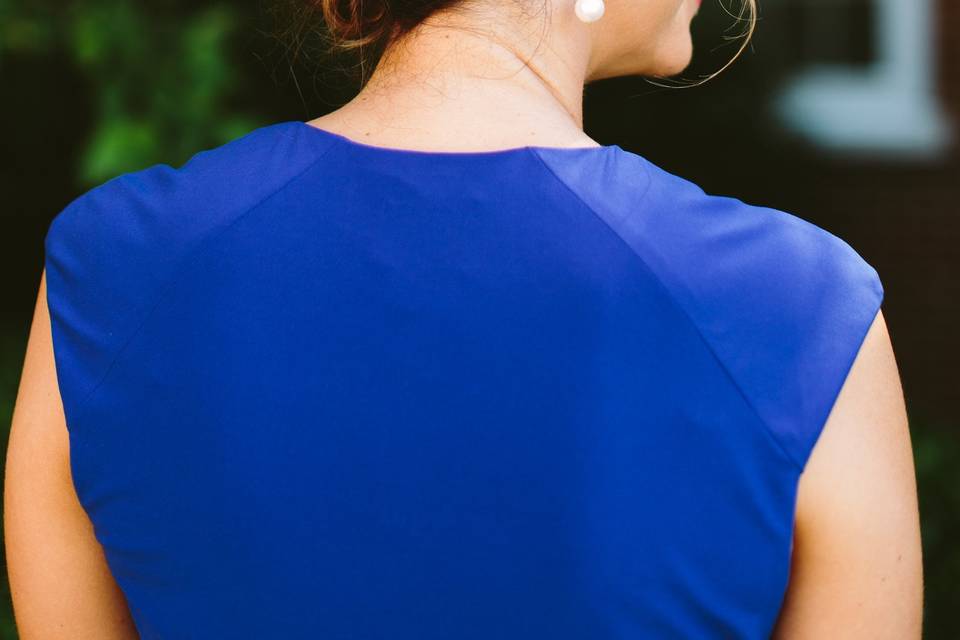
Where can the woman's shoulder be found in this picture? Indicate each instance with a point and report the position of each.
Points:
(163, 202)
(109, 253)
(783, 303)
(707, 246)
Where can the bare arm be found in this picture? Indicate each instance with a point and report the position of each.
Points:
(856, 569)
(59, 580)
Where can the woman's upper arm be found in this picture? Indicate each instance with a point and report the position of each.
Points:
(59, 579)
(856, 570)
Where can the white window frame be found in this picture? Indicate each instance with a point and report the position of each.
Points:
(889, 107)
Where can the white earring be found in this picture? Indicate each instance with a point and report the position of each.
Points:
(589, 10)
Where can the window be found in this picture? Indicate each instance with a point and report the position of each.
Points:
(886, 106)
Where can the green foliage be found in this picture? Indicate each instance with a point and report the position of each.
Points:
(161, 78)
(937, 458)
(25, 28)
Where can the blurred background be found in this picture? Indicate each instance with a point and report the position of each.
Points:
(843, 112)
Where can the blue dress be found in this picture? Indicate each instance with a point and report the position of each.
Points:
(322, 389)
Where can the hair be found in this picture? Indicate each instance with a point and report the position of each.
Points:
(364, 29)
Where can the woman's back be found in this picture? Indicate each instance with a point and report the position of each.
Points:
(317, 388)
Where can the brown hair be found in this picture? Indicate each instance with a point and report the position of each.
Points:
(365, 28)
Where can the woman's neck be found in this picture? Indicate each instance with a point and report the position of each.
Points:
(448, 80)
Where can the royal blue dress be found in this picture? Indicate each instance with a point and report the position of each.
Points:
(322, 389)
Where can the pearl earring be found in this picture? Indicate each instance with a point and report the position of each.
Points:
(589, 10)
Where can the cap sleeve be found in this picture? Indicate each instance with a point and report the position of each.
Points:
(100, 269)
(786, 306)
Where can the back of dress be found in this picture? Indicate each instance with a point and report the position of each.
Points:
(321, 389)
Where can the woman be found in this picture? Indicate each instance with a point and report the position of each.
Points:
(437, 365)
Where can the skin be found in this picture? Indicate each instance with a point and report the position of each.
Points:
(856, 565)
(59, 580)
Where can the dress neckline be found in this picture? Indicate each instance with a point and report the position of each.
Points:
(422, 153)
